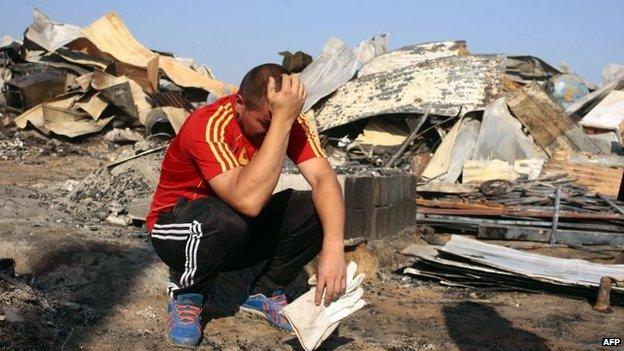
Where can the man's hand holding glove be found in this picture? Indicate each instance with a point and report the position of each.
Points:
(313, 324)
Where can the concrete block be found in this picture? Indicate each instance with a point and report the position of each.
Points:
(376, 206)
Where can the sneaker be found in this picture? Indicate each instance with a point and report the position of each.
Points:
(268, 308)
(184, 322)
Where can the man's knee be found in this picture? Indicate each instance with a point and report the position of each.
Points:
(230, 228)
(222, 224)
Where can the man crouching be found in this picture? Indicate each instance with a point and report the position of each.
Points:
(214, 209)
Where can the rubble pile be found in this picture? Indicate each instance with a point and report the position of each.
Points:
(114, 192)
(106, 188)
(69, 81)
(19, 146)
(430, 108)
(12, 148)
(452, 118)
(504, 148)
(457, 120)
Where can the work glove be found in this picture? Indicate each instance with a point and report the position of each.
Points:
(313, 324)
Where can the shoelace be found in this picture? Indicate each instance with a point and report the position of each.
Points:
(274, 313)
(188, 313)
(280, 300)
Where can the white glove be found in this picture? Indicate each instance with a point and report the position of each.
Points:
(313, 324)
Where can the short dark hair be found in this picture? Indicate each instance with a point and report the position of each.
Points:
(253, 88)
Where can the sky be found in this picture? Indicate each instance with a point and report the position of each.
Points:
(231, 37)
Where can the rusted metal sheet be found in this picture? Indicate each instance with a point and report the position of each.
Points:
(170, 98)
(189, 78)
(412, 55)
(446, 85)
(108, 37)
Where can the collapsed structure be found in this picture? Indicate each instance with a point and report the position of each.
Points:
(73, 81)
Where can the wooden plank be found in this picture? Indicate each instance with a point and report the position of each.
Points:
(546, 121)
(440, 162)
(484, 170)
(471, 223)
(593, 216)
(604, 180)
(147, 77)
(447, 188)
(458, 204)
(574, 237)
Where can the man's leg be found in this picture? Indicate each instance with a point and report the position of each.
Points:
(197, 239)
(288, 233)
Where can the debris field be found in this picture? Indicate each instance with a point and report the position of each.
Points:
(484, 193)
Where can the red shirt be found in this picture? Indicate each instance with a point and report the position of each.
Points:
(209, 143)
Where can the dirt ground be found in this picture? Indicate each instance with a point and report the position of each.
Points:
(86, 284)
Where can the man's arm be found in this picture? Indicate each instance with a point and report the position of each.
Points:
(247, 189)
(329, 204)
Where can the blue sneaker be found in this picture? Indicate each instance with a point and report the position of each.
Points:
(268, 308)
(184, 322)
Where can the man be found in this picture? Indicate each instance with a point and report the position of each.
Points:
(214, 211)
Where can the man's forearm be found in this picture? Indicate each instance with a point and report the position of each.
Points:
(329, 204)
(257, 180)
(247, 189)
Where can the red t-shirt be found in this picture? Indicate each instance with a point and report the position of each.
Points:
(209, 143)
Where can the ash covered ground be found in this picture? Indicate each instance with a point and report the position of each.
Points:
(83, 283)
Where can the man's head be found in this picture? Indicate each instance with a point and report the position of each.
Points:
(252, 108)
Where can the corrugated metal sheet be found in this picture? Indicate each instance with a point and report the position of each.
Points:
(445, 85)
(412, 55)
(170, 98)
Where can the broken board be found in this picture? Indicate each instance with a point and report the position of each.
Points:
(600, 179)
(546, 121)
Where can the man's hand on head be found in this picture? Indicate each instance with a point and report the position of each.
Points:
(285, 105)
(331, 274)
